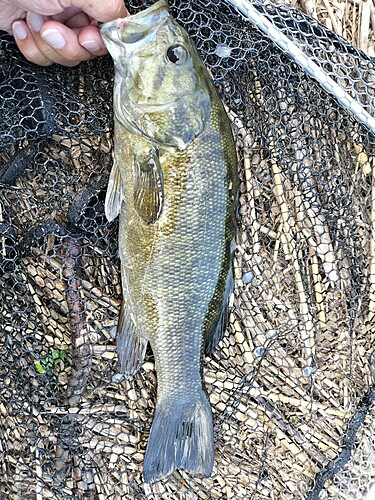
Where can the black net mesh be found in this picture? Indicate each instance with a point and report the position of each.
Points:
(292, 382)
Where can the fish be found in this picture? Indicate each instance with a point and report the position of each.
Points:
(174, 186)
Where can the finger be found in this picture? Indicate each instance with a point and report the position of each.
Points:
(8, 13)
(59, 44)
(70, 14)
(27, 45)
(90, 38)
(79, 20)
(71, 45)
(43, 7)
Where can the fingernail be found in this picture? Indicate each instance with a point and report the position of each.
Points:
(91, 45)
(19, 30)
(54, 38)
(35, 21)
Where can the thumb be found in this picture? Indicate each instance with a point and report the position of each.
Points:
(100, 10)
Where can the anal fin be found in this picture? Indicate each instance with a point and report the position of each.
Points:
(131, 347)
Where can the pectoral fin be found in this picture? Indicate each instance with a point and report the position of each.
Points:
(114, 196)
(131, 347)
(149, 186)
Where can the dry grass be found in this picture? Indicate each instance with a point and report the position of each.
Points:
(354, 20)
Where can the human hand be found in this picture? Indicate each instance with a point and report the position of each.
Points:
(58, 31)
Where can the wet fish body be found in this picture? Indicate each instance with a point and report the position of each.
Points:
(173, 183)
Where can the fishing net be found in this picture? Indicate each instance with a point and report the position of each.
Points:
(292, 382)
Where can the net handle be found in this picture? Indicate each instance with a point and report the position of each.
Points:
(333, 88)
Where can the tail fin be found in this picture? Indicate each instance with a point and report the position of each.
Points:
(181, 437)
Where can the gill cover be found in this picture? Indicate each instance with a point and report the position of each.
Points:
(161, 89)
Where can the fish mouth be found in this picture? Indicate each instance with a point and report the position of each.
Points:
(133, 28)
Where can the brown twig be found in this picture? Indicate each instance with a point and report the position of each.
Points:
(81, 347)
(81, 351)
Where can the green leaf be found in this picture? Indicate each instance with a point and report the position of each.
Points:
(39, 367)
(47, 363)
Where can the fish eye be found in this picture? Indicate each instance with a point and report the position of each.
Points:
(177, 54)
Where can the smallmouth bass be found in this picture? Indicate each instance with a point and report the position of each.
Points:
(174, 185)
